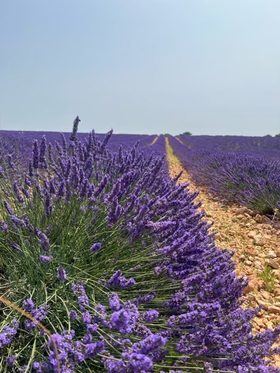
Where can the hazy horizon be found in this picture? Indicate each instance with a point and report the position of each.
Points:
(149, 66)
(125, 133)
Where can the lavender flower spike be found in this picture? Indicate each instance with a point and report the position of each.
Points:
(45, 259)
(96, 247)
(61, 274)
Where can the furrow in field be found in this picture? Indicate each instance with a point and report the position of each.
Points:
(154, 140)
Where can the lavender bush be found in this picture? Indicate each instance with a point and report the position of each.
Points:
(106, 265)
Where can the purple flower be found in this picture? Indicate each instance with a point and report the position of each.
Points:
(3, 226)
(35, 154)
(38, 314)
(138, 363)
(8, 208)
(28, 305)
(18, 222)
(80, 291)
(114, 302)
(96, 247)
(151, 315)
(43, 239)
(101, 186)
(119, 281)
(61, 274)
(17, 193)
(10, 360)
(86, 316)
(61, 190)
(8, 333)
(11, 162)
(149, 344)
(45, 258)
(115, 365)
(16, 247)
(73, 315)
(43, 147)
(48, 204)
(92, 349)
(92, 328)
(125, 319)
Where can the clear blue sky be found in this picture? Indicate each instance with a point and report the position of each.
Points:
(141, 66)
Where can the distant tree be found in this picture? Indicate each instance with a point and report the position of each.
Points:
(277, 135)
(187, 133)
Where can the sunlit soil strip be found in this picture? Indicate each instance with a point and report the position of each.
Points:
(178, 139)
(154, 140)
(231, 233)
(182, 142)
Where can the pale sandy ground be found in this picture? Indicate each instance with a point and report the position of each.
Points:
(155, 139)
(256, 244)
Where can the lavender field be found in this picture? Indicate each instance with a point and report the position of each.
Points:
(238, 169)
(107, 263)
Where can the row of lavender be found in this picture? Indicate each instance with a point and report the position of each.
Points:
(245, 170)
(18, 144)
(106, 265)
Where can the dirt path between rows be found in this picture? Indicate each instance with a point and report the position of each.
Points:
(256, 245)
(155, 139)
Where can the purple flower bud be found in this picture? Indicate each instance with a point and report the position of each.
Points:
(106, 139)
(45, 259)
(79, 290)
(92, 328)
(28, 305)
(95, 247)
(48, 204)
(10, 162)
(43, 147)
(73, 315)
(92, 349)
(61, 190)
(10, 360)
(35, 154)
(50, 152)
(138, 362)
(8, 333)
(26, 192)
(101, 187)
(3, 226)
(61, 274)
(16, 247)
(30, 169)
(117, 280)
(114, 302)
(151, 315)
(18, 222)
(125, 319)
(86, 316)
(8, 208)
(37, 366)
(52, 187)
(43, 239)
